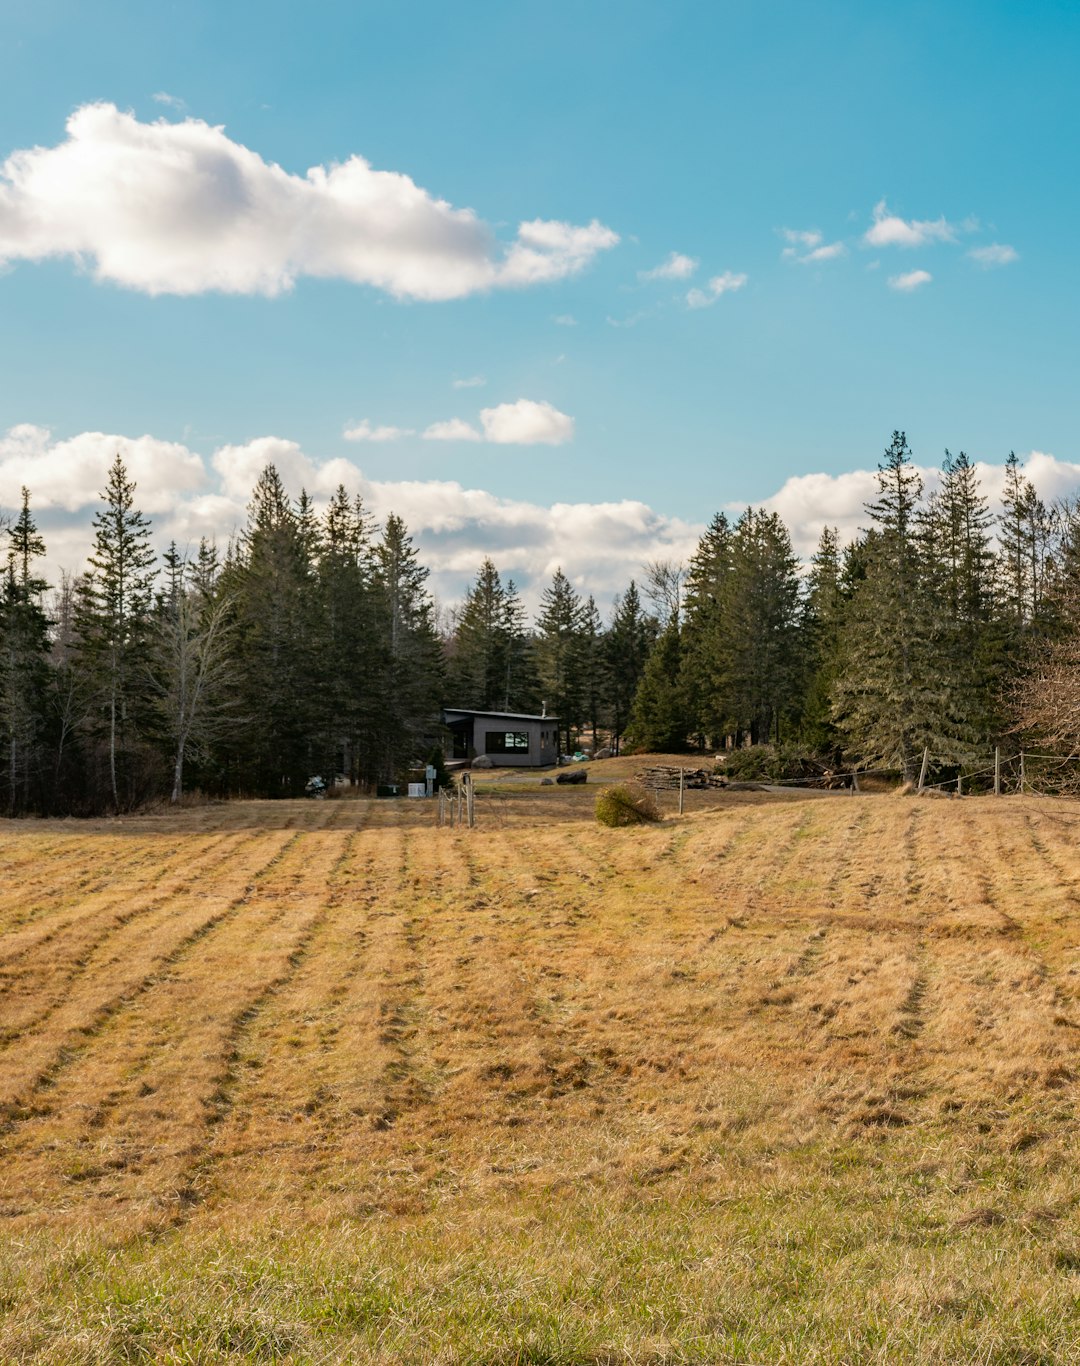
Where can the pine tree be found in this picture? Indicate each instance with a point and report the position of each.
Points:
(414, 679)
(113, 620)
(659, 720)
(559, 654)
(267, 580)
(759, 618)
(895, 691)
(626, 646)
(353, 657)
(24, 669)
(821, 631)
(703, 641)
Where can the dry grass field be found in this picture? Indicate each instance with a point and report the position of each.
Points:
(786, 1079)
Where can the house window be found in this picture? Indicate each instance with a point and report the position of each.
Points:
(506, 742)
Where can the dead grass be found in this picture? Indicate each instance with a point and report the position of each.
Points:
(786, 1079)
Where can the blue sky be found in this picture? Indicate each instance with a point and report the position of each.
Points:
(705, 130)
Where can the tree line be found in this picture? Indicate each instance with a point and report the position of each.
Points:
(312, 645)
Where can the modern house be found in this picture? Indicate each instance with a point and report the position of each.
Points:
(509, 738)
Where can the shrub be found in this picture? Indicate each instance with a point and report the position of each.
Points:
(626, 804)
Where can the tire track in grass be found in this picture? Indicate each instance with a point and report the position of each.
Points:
(94, 894)
(42, 987)
(39, 1062)
(292, 1085)
(33, 903)
(145, 1092)
(346, 1148)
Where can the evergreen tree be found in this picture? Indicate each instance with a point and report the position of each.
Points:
(113, 622)
(559, 654)
(760, 608)
(414, 677)
(626, 649)
(895, 691)
(488, 653)
(24, 669)
(821, 631)
(703, 641)
(659, 720)
(267, 579)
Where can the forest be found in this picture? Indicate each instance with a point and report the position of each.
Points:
(313, 645)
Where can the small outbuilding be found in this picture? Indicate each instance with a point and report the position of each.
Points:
(514, 739)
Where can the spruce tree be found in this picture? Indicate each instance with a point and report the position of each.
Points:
(24, 668)
(659, 719)
(896, 690)
(626, 646)
(559, 654)
(113, 622)
(413, 681)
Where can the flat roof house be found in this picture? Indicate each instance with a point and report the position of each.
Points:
(509, 738)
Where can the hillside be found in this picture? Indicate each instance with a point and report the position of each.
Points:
(784, 1079)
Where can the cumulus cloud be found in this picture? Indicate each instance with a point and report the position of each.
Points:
(601, 546)
(888, 230)
(996, 254)
(675, 267)
(810, 502)
(453, 429)
(526, 423)
(364, 431)
(180, 208)
(474, 382)
(910, 281)
(71, 473)
(719, 284)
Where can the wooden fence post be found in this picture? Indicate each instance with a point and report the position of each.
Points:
(470, 805)
(681, 776)
(854, 782)
(997, 770)
(925, 766)
(1021, 773)
(959, 785)
(442, 806)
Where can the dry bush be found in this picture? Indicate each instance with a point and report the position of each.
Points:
(627, 804)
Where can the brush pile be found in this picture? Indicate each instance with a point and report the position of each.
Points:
(666, 776)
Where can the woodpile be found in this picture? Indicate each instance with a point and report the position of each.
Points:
(666, 776)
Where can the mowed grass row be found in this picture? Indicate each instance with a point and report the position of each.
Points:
(780, 1080)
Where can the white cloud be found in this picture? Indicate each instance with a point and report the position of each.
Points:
(890, 231)
(364, 431)
(453, 429)
(526, 423)
(809, 246)
(802, 237)
(996, 254)
(565, 320)
(70, 474)
(910, 280)
(601, 546)
(180, 208)
(675, 267)
(474, 382)
(172, 101)
(719, 284)
(809, 502)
